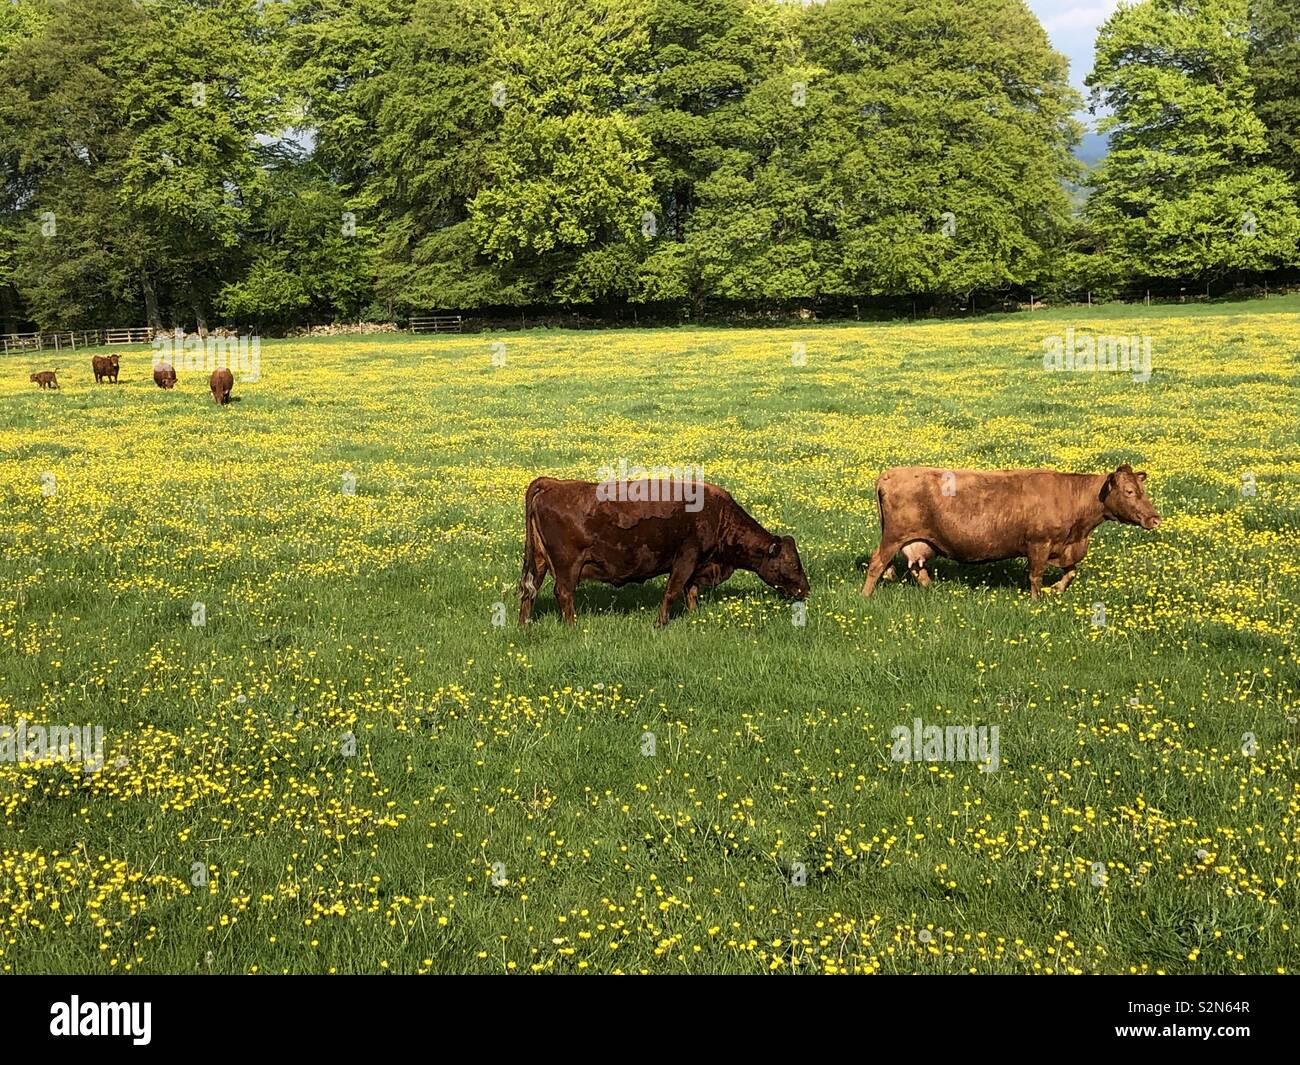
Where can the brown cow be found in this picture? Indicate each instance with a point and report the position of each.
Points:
(221, 382)
(991, 515)
(576, 534)
(45, 379)
(164, 376)
(105, 366)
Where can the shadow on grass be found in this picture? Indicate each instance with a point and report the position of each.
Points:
(631, 599)
(1009, 574)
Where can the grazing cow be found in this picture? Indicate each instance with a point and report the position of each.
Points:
(221, 382)
(991, 515)
(164, 376)
(574, 534)
(105, 366)
(45, 379)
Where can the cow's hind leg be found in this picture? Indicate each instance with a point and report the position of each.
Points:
(566, 573)
(526, 600)
(564, 588)
(528, 588)
(882, 559)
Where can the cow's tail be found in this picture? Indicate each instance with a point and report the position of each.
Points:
(889, 573)
(533, 545)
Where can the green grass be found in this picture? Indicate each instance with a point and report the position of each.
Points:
(330, 614)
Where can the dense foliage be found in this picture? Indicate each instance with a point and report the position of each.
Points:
(265, 163)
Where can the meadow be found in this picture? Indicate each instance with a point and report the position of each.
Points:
(350, 766)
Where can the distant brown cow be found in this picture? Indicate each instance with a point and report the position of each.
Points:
(105, 366)
(45, 379)
(991, 515)
(164, 376)
(576, 533)
(221, 382)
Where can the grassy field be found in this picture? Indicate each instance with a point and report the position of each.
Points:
(350, 768)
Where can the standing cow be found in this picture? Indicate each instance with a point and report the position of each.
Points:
(45, 379)
(105, 366)
(164, 376)
(221, 382)
(992, 515)
(574, 532)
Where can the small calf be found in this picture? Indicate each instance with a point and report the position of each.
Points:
(164, 376)
(45, 379)
(105, 366)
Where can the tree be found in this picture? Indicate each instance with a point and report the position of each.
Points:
(906, 146)
(1275, 70)
(1185, 192)
(18, 22)
(306, 256)
(567, 183)
(704, 59)
(131, 128)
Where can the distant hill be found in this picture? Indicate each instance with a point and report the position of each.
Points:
(1092, 148)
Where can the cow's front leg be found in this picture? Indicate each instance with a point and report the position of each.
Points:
(683, 567)
(1037, 554)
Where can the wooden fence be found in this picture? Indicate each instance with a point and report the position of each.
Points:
(437, 323)
(71, 340)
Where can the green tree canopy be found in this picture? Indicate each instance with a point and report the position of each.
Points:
(1185, 192)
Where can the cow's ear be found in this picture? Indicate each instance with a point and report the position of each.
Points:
(774, 549)
(1141, 476)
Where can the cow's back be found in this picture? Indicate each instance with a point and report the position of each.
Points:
(619, 540)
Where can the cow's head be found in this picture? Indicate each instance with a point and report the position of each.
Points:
(782, 569)
(1124, 498)
(113, 360)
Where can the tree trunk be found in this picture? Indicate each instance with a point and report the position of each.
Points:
(9, 301)
(151, 304)
(200, 319)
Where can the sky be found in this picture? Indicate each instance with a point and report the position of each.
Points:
(1072, 26)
